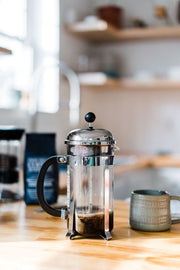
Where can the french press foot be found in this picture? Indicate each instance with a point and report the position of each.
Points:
(106, 235)
(71, 235)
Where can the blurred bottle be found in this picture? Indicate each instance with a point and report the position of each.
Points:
(110, 66)
(161, 15)
(92, 63)
(88, 63)
(162, 12)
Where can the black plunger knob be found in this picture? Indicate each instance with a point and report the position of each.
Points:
(90, 117)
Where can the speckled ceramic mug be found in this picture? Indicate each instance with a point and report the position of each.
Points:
(150, 210)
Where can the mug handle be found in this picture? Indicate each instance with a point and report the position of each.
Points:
(175, 220)
(40, 187)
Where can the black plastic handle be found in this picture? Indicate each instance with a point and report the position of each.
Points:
(40, 184)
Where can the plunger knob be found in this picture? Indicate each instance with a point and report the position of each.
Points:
(90, 117)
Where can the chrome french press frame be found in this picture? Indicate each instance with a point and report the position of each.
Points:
(85, 151)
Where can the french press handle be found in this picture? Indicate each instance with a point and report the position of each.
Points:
(40, 187)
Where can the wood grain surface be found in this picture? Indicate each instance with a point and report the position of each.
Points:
(35, 240)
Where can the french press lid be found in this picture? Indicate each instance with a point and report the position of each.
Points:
(90, 136)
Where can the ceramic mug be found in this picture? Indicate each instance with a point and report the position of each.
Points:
(150, 210)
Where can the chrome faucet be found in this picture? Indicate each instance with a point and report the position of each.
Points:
(74, 101)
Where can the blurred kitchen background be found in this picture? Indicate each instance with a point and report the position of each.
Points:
(129, 69)
(123, 54)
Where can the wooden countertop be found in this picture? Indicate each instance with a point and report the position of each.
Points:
(30, 240)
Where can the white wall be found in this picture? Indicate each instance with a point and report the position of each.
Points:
(141, 121)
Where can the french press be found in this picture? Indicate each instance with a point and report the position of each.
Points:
(89, 159)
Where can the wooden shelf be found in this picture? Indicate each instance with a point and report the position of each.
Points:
(131, 84)
(105, 32)
(4, 51)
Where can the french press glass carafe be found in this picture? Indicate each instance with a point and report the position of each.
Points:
(89, 160)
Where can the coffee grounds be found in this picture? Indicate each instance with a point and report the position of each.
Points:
(91, 223)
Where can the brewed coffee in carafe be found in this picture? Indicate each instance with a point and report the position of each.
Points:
(89, 175)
